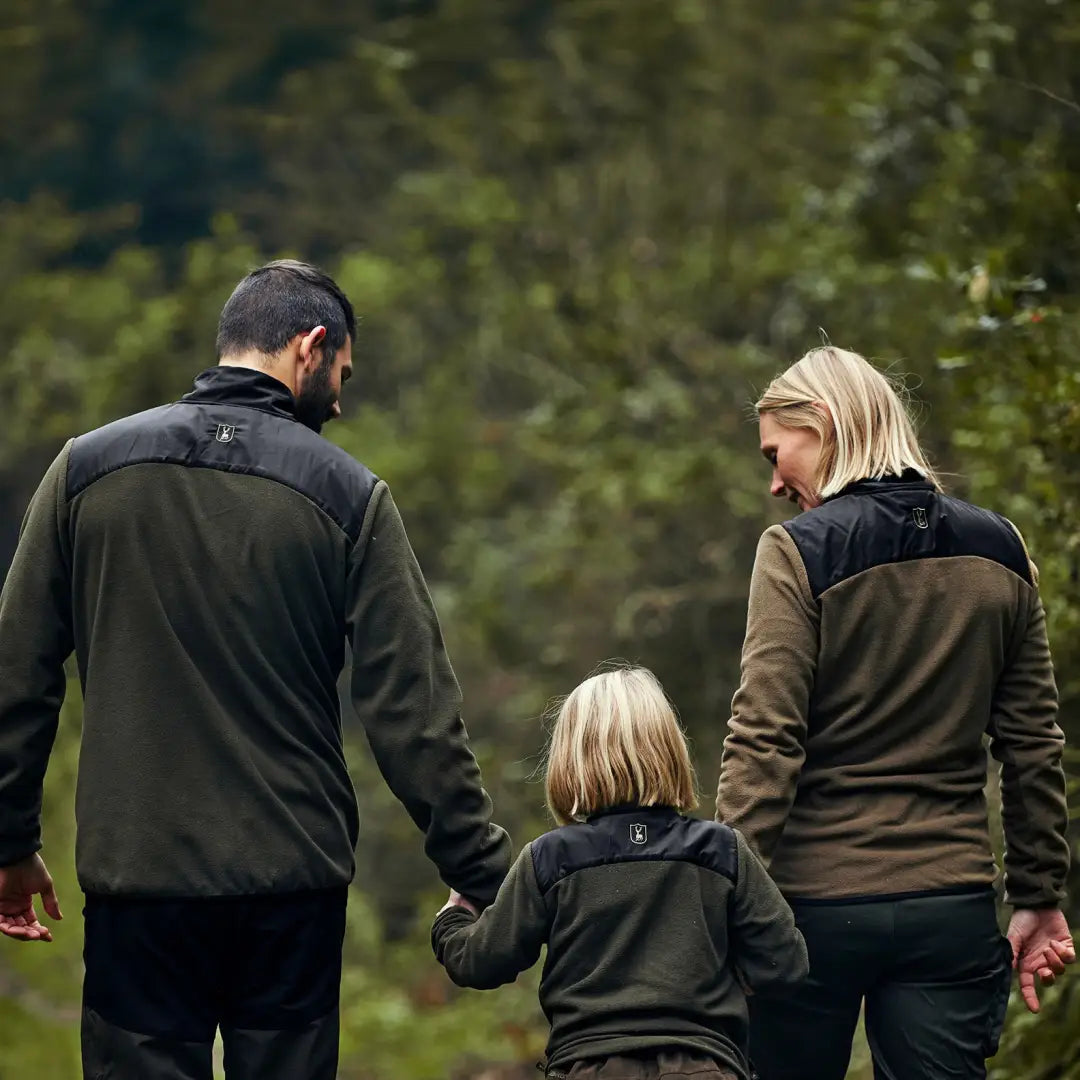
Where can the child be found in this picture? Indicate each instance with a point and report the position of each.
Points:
(653, 921)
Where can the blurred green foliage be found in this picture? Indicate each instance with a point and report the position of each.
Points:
(580, 234)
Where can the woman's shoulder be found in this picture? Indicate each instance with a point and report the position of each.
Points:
(855, 532)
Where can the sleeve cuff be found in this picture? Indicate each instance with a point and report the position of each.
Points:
(446, 922)
(13, 851)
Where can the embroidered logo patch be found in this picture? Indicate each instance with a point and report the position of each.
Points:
(225, 432)
(919, 514)
(638, 834)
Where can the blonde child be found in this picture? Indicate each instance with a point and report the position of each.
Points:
(653, 921)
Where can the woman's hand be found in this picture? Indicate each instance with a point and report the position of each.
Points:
(1042, 945)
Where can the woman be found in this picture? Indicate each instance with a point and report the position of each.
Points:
(889, 628)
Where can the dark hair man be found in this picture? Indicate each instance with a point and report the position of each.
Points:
(207, 561)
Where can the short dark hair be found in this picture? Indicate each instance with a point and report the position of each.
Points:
(280, 300)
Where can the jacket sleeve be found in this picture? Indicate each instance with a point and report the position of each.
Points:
(406, 695)
(505, 940)
(767, 948)
(765, 746)
(1028, 743)
(35, 640)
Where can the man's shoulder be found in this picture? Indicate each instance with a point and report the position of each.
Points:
(329, 475)
(328, 453)
(97, 452)
(232, 440)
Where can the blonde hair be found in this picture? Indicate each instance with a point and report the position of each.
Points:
(866, 432)
(616, 740)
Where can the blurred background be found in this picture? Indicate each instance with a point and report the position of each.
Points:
(580, 234)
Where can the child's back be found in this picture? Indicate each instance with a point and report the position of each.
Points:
(646, 914)
(651, 919)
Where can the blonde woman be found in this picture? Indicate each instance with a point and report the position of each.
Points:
(890, 628)
(646, 913)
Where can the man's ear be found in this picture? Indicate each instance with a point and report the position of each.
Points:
(310, 355)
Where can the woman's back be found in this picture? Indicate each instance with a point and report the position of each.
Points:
(918, 606)
(890, 629)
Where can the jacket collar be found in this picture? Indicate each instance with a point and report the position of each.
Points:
(246, 387)
(909, 479)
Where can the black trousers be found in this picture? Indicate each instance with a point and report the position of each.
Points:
(162, 976)
(934, 973)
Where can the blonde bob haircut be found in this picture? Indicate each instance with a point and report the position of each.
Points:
(616, 740)
(866, 431)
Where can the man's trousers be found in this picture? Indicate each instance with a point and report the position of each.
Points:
(162, 976)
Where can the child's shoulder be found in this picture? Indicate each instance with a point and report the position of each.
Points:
(609, 839)
(711, 844)
(578, 834)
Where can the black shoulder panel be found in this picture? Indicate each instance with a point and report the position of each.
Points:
(880, 523)
(645, 835)
(233, 439)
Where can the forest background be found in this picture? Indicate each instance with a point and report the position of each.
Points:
(580, 235)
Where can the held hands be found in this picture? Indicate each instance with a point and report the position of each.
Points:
(457, 900)
(1041, 945)
(19, 884)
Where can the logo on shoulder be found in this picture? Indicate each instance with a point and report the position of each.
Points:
(919, 514)
(225, 432)
(638, 834)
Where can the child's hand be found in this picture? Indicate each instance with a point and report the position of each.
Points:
(457, 900)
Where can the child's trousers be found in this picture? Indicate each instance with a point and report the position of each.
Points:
(663, 1066)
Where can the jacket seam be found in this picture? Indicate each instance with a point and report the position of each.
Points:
(239, 470)
(800, 569)
(926, 558)
(536, 881)
(370, 508)
(67, 469)
(607, 861)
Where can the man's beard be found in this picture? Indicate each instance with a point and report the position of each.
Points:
(315, 400)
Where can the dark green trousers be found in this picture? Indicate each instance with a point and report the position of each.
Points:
(932, 971)
(670, 1065)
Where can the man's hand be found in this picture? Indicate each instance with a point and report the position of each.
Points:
(19, 884)
(1041, 945)
(457, 900)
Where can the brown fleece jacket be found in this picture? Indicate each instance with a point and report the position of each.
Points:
(889, 632)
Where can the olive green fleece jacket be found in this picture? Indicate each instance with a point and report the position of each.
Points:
(207, 563)
(650, 920)
(891, 633)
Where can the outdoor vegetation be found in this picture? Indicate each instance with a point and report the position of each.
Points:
(580, 234)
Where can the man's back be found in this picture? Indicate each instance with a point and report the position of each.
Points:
(207, 562)
(209, 545)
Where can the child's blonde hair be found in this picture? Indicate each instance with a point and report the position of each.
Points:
(866, 433)
(616, 740)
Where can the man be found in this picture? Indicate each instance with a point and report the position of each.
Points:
(206, 562)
